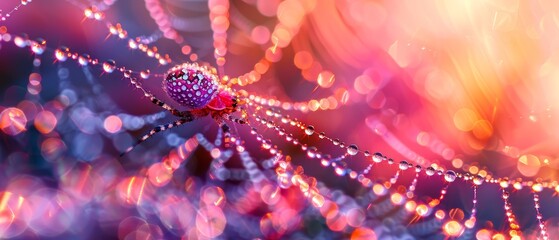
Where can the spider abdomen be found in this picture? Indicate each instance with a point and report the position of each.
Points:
(191, 85)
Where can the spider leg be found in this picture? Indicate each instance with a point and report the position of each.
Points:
(157, 129)
(155, 100)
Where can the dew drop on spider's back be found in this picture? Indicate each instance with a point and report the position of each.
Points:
(191, 85)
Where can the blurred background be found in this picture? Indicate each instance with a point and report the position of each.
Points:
(469, 86)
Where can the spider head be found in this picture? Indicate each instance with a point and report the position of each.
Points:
(191, 85)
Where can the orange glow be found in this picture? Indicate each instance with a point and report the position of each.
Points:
(397, 198)
(318, 200)
(12, 121)
(337, 222)
(457, 163)
(422, 210)
(159, 174)
(498, 236)
(303, 60)
(363, 233)
(440, 214)
(132, 189)
(290, 13)
(329, 209)
(483, 234)
(112, 124)
(528, 165)
(410, 206)
(45, 122)
(326, 79)
(465, 119)
(378, 189)
(453, 228)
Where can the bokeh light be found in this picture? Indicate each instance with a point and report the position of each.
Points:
(329, 119)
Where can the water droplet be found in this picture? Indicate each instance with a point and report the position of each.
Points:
(289, 137)
(367, 153)
(309, 130)
(84, 59)
(377, 157)
(417, 168)
(38, 46)
(25, 2)
(145, 74)
(537, 187)
(430, 171)
(21, 41)
(506, 195)
(404, 165)
(61, 53)
(450, 176)
(352, 149)
(390, 161)
(270, 124)
(88, 12)
(269, 112)
(98, 15)
(336, 142)
(311, 152)
(267, 144)
(132, 44)
(321, 135)
(504, 183)
(478, 180)
(127, 73)
(341, 169)
(109, 66)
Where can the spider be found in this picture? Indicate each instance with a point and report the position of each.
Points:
(197, 88)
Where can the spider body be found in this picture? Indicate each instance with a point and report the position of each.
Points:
(191, 86)
(198, 89)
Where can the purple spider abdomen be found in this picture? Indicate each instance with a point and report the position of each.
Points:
(191, 85)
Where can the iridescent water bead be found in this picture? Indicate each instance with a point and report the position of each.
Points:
(378, 157)
(352, 149)
(38, 46)
(84, 59)
(312, 152)
(145, 74)
(109, 66)
(309, 130)
(504, 182)
(404, 165)
(478, 180)
(62, 53)
(450, 176)
(430, 171)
